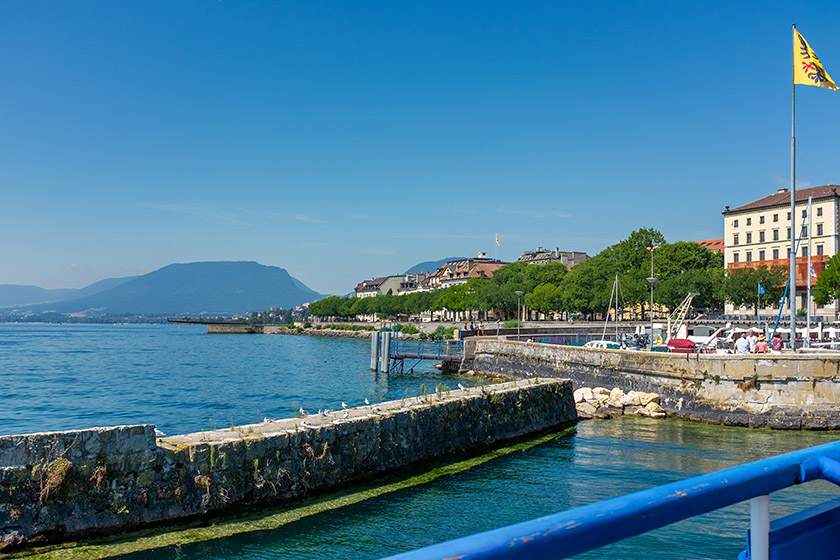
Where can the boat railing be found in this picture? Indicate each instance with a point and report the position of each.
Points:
(813, 533)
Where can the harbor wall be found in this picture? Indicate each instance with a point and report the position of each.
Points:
(67, 485)
(792, 391)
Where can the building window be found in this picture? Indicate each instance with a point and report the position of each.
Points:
(788, 216)
(735, 239)
(749, 256)
(761, 219)
(804, 213)
(775, 235)
(788, 233)
(775, 217)
(804, 251)
(775, 254)
(761, 237)
(819, 211)
(819, 249)
(804, 231)
(788, 252)
(819, 229)
(735, 257)
(749, 238)
(749, 221)
(761, 255)
(735, 223)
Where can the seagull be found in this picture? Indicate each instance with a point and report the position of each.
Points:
(158, 433)
(462, 387)
(302, 412)
(377, 409)
(367, 401)
(306, 424)
(267, 420)
(344, 405)
(346, 415)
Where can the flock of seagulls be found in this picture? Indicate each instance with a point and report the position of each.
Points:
(327, 413)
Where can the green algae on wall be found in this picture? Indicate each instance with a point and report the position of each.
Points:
(62, 486)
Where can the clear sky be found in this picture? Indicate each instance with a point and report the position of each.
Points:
(348, 140)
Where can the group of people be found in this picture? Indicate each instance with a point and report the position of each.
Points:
(474, 328)
(752, 344)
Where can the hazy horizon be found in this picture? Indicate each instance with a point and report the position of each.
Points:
(345, 141)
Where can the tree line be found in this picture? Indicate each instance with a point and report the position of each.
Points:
(680, 268)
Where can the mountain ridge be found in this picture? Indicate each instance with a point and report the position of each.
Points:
(210, 287)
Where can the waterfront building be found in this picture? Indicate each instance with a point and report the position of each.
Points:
(716, 245)
(398, 285)
(543, 256)
(459, 272)
(759, 234)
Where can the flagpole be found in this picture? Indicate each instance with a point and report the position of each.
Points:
(808, 302)
(792, 296)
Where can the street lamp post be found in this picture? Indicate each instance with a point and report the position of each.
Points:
(652, 281)
(518, 312)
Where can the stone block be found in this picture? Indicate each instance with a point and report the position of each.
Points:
(654, 410)
(631, 399)
(585, 409)
(647, 398)
(583, 394)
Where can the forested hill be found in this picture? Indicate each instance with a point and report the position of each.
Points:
(215, 288)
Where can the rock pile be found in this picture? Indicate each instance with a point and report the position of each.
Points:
(604, 403)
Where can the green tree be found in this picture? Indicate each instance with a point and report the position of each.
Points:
(545, 298)
(828, 284)
(742, 286)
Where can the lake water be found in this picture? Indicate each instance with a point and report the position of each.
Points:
(61, 377)
(76, 376)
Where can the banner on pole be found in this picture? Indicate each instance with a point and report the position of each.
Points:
(807, 68)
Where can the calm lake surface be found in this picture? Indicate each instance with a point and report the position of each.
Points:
(59, 377)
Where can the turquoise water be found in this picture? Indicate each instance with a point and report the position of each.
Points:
(60, 377)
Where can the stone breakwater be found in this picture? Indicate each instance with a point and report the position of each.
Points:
(68, 485)
(605, 403)
(282, 329)
(785, 391)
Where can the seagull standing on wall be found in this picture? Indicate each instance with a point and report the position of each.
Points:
(344, 405)
(367, 401)
(302, 412)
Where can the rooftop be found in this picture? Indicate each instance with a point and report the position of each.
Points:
(782, 197)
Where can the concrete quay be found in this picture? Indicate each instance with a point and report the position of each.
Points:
(62, 486)
(785, 391)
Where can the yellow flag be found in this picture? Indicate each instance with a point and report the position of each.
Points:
(497, 239)
(807, 68)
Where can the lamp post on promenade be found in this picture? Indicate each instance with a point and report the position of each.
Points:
(652, 281)
(518, 312)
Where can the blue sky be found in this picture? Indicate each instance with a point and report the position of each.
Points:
(347, 140)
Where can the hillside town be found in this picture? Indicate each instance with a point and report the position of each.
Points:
(756, 244)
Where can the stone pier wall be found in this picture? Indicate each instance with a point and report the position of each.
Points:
(775, 390)
(66, 485)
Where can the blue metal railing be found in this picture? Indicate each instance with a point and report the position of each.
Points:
(427, 350)
(579, 530)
